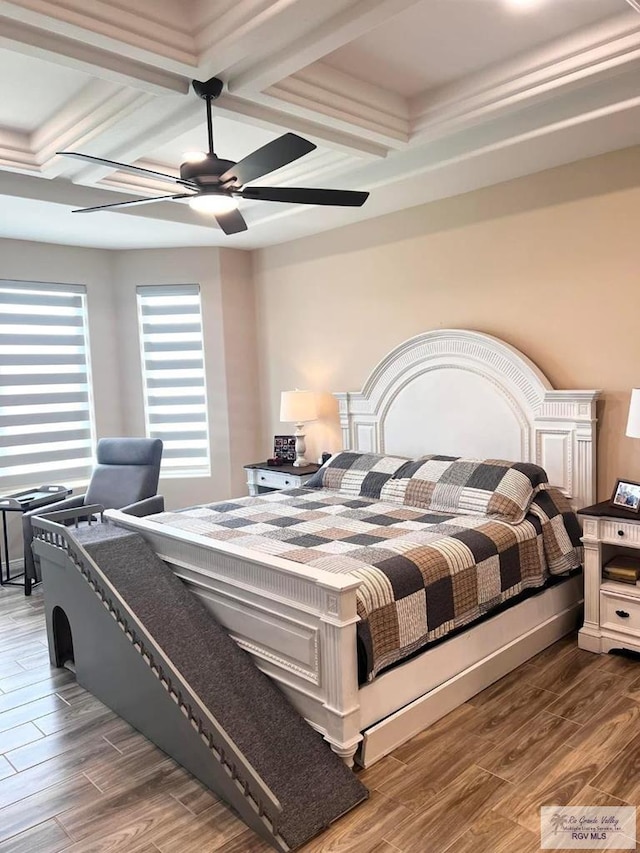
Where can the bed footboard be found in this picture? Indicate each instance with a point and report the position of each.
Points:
(298, 623)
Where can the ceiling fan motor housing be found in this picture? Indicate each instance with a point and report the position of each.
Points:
(205, 172)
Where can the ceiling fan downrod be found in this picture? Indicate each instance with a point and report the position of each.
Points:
(209, 90)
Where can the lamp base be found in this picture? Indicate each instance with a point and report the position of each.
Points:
(301, 447)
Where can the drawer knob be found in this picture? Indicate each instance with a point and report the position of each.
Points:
(286, 482)
(262, 477)
(620, 532)
(622, 614)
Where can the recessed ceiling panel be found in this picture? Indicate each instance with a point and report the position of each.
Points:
(438, 41)
(33, 90)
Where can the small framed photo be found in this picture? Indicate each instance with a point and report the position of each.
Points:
(284, 447)
(626, 495)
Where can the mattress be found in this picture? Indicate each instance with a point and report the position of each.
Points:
(423, 574)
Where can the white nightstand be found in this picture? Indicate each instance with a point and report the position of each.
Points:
(611, 609)
(265, 478)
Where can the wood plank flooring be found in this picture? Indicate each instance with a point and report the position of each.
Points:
(562, 729)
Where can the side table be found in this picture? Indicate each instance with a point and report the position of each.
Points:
(24, 502)
(611, 608)
(266, 478)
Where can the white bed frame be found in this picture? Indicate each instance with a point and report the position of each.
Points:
(451, 392)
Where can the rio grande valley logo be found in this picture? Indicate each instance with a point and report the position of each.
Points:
(587, 828)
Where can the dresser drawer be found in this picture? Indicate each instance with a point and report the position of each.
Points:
(622, 532)
(619, 612)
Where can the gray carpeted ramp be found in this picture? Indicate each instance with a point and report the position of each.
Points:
(309, 785)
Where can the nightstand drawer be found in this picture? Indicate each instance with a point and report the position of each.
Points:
(275, 479)
(264, 478)
(623, 532)
(619, 612)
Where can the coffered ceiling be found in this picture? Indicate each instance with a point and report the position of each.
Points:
(413, 100)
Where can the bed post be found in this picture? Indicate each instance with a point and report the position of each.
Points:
(339, 672)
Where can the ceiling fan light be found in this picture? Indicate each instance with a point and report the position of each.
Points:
(194, 156)
(213, 203)
(523, 5)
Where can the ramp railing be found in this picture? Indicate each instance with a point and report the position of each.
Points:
(48, 530)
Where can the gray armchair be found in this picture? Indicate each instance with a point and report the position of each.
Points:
(125, 478)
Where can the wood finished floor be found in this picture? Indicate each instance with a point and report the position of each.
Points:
(562, 729)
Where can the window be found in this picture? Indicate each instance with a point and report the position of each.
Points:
(46, 418)
(172, 353)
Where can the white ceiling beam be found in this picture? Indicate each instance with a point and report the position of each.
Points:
(142, 35)
(334, 32)
(346, 103)
(246, 33)
(263, 115)
(32, 41)
(240, 29)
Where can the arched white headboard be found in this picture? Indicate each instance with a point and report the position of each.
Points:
(464, 393)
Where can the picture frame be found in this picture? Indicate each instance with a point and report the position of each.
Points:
(284, 447)
(626, 495)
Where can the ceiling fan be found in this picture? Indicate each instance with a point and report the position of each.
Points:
(213, 185)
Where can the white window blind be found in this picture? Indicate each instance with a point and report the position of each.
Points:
(172, 352)
(46, 413)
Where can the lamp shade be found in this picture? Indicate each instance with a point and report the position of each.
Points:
(633, 422)
(298, 407)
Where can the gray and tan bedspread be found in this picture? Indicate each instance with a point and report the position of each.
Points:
(423, 574)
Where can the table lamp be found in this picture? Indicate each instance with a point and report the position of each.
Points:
(298, 407)
(633, 421)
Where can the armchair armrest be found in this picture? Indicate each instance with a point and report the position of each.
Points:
(148, 506)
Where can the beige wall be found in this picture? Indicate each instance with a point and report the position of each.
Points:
(230, 348)
(21, 260)
(549, 263)
(230, 358)
(241, 364)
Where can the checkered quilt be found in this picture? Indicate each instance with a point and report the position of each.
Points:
(423, 574)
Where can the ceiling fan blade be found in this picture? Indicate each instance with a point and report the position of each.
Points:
(123, 167)
(301, 195)
(283, 150)
(132, 202)
(232, 222)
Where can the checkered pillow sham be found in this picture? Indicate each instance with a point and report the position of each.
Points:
(361, 475)
(494, 488)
